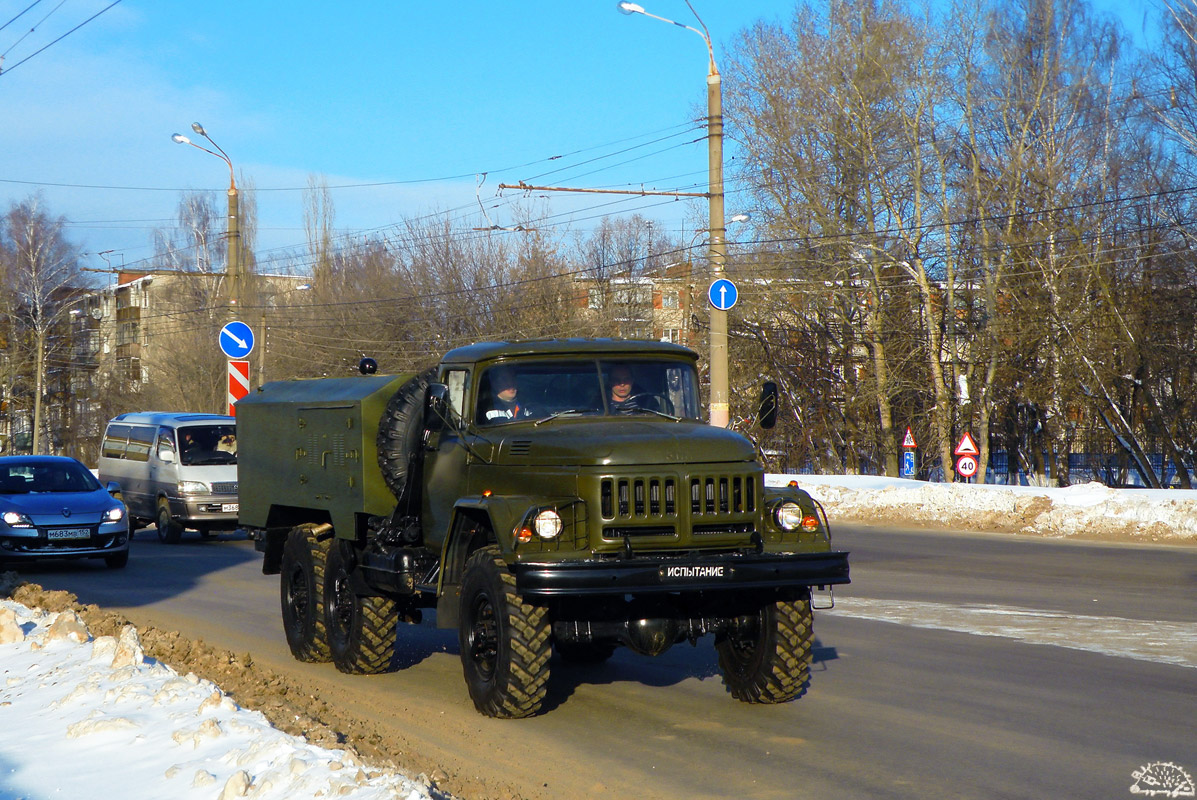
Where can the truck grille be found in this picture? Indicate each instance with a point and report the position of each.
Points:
(705, 505)
(224, 487)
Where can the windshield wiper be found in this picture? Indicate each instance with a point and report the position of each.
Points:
(556, 414)
(631, 411)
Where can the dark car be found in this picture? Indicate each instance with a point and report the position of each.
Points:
(53, 507)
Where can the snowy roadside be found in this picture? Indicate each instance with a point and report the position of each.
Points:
(93, 717)
(1086, 511)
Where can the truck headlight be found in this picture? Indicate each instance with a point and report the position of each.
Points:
(547, 524)
(194, 487)
(788, 515)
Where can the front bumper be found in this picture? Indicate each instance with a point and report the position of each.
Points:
(689, 574)
(31, 543)
(212, 509)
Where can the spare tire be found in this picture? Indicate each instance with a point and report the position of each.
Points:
(401, 432)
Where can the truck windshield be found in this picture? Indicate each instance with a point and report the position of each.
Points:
(516, 390)
(208, 444)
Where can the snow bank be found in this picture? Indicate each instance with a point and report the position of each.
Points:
(1090, 511)
(84, 717)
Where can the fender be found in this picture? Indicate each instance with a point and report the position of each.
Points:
(479, 520)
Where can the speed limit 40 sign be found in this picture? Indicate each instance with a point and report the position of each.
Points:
(966, 466)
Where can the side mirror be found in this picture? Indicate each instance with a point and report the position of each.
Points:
(767, 415)
(166, 455)
(436, 407)
(114, 489)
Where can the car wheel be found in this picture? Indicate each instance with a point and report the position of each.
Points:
(169, 531)
(505, 642)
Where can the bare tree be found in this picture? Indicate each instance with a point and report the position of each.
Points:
(43, 267)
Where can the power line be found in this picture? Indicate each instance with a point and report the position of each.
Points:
(60, 38)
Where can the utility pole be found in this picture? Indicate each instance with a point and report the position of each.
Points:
(233, 271)
(720, 409)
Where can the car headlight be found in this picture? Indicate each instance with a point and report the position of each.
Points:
(15, 519)
(788, 515)
(114, 514)
(194, 487)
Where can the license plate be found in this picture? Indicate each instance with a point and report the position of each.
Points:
(228, 508)
(682, 572)
(69, 533)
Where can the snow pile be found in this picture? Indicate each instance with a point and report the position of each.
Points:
(84, 717)
(1090, 510)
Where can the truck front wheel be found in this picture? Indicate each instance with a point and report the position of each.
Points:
(505, 642)
(362, 631)
(301, 587)
(766, 658)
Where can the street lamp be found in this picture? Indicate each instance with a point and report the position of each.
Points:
(234, 229)
(718, 245)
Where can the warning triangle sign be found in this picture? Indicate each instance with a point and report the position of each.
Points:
(967, 446)
(909, 440)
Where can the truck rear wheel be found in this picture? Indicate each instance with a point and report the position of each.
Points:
(767, 660)
(301, 587)
(505, 642)
(362, 631)
(400, 431)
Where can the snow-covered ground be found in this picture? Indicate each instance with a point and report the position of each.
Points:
(1090, 510)
(85, 717)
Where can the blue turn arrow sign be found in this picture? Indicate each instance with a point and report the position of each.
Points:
(236, 339)
(723, 294)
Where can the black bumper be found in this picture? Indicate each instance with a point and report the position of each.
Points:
(713, 573)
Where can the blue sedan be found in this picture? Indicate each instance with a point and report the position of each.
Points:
(53, 507)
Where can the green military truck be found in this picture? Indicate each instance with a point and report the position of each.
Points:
(543, 495)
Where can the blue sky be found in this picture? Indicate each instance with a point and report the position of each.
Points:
(414, 99)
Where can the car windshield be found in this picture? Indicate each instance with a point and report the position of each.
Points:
(31, 477)
(208, 444)
(541, 389)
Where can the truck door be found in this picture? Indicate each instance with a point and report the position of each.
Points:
(446, 462)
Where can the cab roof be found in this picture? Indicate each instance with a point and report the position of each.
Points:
(486, 351)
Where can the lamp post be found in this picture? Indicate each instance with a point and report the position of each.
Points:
(233, 270)
(718, 245)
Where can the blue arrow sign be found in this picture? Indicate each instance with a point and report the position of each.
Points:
(236, 339)
(723, 294)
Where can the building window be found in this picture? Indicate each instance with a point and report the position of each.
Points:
(672, 335)
(596, 298)
(670, 300)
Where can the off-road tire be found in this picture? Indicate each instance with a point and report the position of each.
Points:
(362, 631)
(772, 663)
(401, 430)
(505, 641)
(585, 652)
(301, 592)
(169, 531)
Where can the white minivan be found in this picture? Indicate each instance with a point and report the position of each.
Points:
(176, 470)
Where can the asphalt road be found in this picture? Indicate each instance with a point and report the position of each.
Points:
(961, 665)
